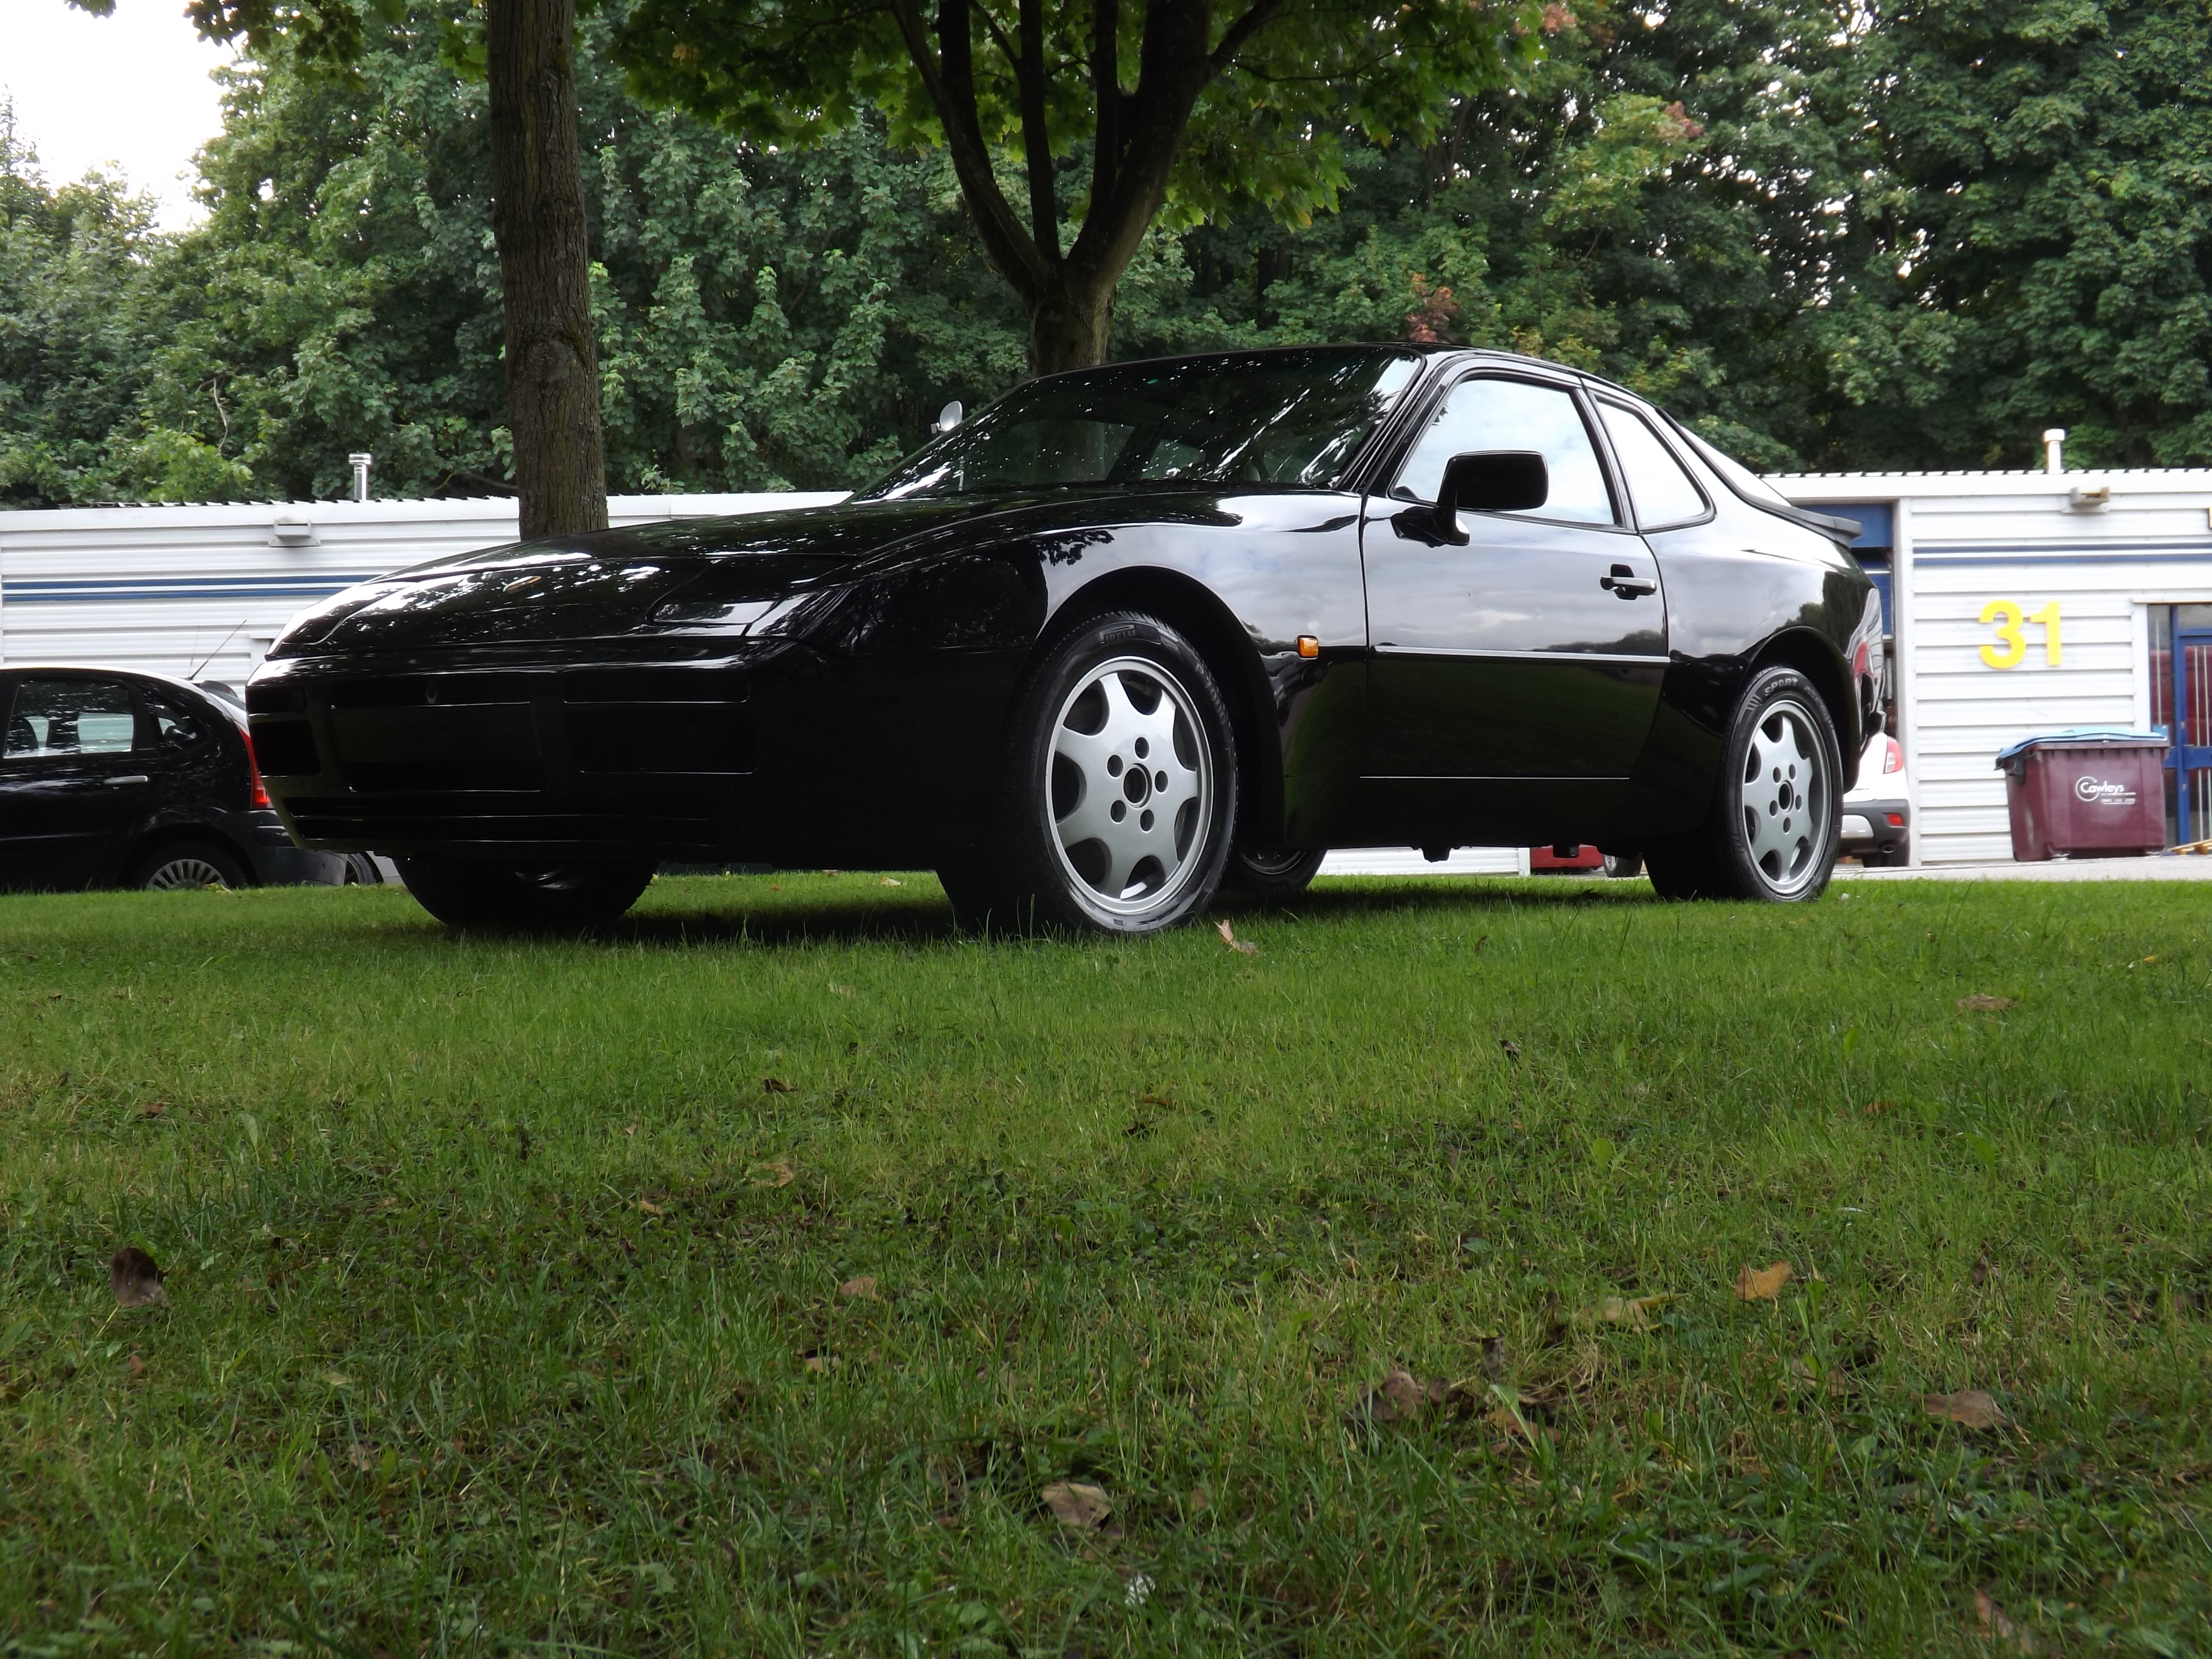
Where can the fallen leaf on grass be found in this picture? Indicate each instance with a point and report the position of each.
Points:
(1512, 1049)
(1970, 1408)
(893, 881)
(154, 1109)
(337, 1379)
(361, 1456)
(649, 1207)
(1228, 937)
(2000, 1626)
(1494, 1357)
(863, 1288)
(820, 1362)
(1980, 1003)
(1980, 1271)
(1763, 1284)
(134, 1365)
(1636, 1314)
(135, 1279)
(1075, 1503)
(841, 990)
(1879, 1109)
(778, 1174)
(776, 1085)
(1160, 1101)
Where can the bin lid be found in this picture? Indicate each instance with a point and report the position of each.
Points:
(2084, 737)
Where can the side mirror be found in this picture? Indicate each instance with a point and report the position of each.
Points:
(1490, 480)
(950, 416)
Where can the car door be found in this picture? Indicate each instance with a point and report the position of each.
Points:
(1513, 678)
(74, 777)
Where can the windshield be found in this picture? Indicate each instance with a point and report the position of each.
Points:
(1277, 418)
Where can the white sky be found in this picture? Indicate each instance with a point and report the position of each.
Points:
(130, 92)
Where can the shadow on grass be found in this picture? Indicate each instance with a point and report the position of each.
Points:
(924, 918)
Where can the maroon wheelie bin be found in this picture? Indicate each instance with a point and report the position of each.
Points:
(2095, 792)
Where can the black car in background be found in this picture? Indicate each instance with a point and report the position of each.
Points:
(1126, 634)
(115, 779)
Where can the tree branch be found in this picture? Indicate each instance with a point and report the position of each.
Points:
(1106, 92)
(952, 89)
(1262, 13)
(1036, 138)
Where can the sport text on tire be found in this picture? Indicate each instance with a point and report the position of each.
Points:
(188, 866)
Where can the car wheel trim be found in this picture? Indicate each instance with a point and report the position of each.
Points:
(1129, 785)
(1783, 798)
(184, 873)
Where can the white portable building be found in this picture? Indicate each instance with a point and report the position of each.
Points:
(2027, 602)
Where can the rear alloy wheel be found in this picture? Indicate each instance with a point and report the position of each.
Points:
(188, 866)
(1276, 871)
(554, 896)
(1777, 819)
(1119, 786)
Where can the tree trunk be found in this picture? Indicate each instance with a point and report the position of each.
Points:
(1070, 323)
(545, 267)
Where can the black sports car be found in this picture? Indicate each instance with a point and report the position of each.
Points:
(1125, 634)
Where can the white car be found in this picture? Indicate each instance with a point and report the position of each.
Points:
(1877, 814)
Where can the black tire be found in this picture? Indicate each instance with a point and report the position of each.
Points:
(1773, 829)
(483, 893)
(1272, 872)
(186, 864)
(1120, 729)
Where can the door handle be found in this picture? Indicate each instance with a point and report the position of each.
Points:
(1624, 583)
(135, 777)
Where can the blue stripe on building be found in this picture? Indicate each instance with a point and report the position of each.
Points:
(84, 590)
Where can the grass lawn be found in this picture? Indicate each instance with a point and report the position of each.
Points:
(771, 1274)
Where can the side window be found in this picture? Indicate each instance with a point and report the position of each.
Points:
(1496, 414)
(175, 729)
(71, 717)
(1663, 493)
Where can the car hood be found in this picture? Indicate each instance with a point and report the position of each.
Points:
(731, 575)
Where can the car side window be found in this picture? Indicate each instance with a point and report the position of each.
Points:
(71, 717)
(1485, 412)
(175, 729)
(1663, 493)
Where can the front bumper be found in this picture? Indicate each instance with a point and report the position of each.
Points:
(650, 759)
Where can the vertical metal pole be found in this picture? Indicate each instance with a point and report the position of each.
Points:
(2179, 751)
(360, 460)
(1902, 598)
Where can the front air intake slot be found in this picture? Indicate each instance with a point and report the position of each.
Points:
(669, 738)
(425, 690)
(285, 749)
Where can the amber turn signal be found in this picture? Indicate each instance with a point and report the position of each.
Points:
(1308, 646)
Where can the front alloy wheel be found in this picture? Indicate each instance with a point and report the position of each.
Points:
(1119, 787)
(1131, 783)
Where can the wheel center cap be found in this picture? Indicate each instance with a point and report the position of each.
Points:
(1137, 785)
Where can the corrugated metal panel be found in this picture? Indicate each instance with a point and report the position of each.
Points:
(179, 589)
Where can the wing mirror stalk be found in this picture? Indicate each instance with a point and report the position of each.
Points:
(1490, 480)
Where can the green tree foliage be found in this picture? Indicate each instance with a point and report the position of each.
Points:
(1106, 113)
(2041, 241)
(1827, 236)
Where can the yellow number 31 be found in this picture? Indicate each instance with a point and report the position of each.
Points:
(2013, 647)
